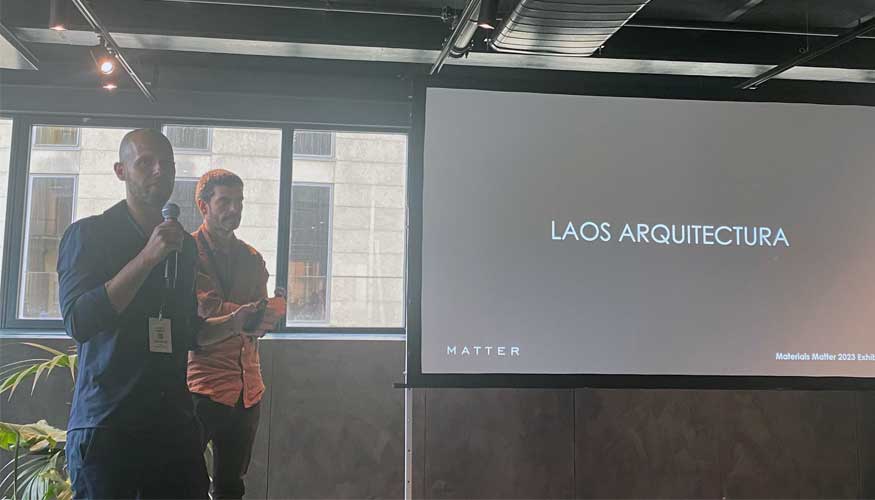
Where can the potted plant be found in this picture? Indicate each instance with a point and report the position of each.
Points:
(38, 468)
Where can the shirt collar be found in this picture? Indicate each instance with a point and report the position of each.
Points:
(219, 249)
(122, 215)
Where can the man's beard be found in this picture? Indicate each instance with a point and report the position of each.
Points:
(155, 197)
(231, 224)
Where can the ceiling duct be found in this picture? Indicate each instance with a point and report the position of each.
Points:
(563, 28)
(462, 43)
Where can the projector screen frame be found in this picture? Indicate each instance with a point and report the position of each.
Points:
(811, 93)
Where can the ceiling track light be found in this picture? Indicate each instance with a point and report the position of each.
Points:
(104, 57)
(487, 17)
(58, 15)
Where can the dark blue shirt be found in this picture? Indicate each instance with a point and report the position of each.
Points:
(120, 382)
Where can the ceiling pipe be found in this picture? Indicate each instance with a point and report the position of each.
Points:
(444, 14)
(735, 28)
(462, 45)
(849, 36)
(113, 47)
(466, 26)
(23, 52)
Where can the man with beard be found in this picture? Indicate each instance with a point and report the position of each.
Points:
(224, 374)
(132, 432)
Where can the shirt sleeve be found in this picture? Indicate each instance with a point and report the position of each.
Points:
(210, 302)
(194, 316)
(85, 304)
(263, 276)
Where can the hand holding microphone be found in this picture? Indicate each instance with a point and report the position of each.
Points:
(170, 212)
(166, 239)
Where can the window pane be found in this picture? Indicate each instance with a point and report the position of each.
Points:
(5, 142)
(65, 185)
(308, 266)
(49, 213)
(314, 143)
(352, 274)
(254, 155)
(190, 138)
(55, 136)
(183, 195)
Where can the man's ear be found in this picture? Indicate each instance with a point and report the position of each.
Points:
(119, 170)
(202, 207)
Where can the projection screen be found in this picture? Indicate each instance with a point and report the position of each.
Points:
(592, 235)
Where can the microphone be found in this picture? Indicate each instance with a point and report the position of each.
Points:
(170, 212)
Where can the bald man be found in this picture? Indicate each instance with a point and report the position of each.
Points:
(132, 432)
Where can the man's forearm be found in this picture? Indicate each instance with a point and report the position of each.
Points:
(217, 329)
(123, 287)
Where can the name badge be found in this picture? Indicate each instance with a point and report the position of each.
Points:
(160, 339)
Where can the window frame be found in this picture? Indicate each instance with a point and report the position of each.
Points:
(25, 243)
(56, 147)
(187, 179)
(19, 166)
(304, 156)
(328, 262)
(207, 150)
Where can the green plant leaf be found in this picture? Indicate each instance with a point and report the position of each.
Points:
(35, 437)
(32, 485)
(14, 373)
(44, 348)
(27, 473)
(58, 486)
(40, 472)
(74, 361)
(7, 483)
(40, 368)
(15, 366)
(12, 382)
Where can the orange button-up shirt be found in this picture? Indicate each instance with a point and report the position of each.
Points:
(227, 278)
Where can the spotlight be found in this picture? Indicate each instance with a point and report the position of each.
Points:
(103, 59)
(58, 15)
(486, 19)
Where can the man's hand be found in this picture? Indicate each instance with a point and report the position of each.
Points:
(123, 287)
(242, 315)
(166, 238)
(275, 309)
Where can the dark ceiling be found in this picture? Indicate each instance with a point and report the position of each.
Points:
(722, 31)
(794, 14)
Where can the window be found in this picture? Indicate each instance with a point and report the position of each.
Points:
(49, 213)
(308, 262)
(314, 144)
(63, 186)
(188, 138)
(55, 137)
(350, 274)
(254, 155)
(72, 184)
(183, 195)
(5, 143)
